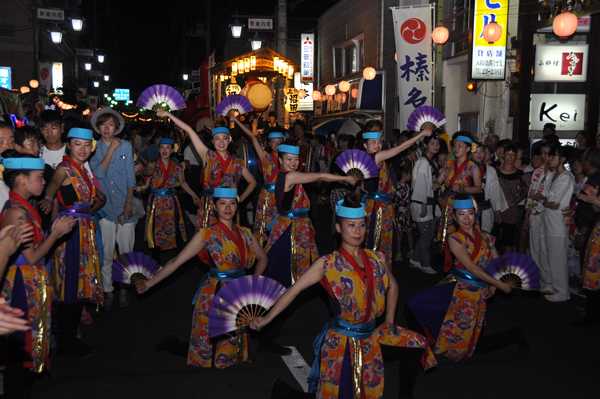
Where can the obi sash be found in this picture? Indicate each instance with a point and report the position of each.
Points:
(377, 196)
(340, 326)
(467, 278)
(228, 275)
(163, 192)
(432, 201)
(269, 187)
(82, 210)
(485, 205)
(298, 213)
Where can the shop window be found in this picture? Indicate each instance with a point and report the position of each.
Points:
(457, 22)
(7, 30)
(348, 57)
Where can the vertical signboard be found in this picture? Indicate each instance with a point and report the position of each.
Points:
(412, 30)
(307, 45)
(5, 82)
(306, 103)
(45, 78)
(57, 76)
(488, 60)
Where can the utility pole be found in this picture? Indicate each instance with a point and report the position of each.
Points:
(282, 27)
(208, 30)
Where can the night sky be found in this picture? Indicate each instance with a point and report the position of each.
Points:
(143, 40)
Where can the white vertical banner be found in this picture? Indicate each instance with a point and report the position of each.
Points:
(45, 78)
(93, 103)
(412, 31)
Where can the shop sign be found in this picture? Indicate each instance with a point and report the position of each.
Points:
(561, 63)
(45, 78)
(51, 14)
(566, 111)
(292, 98)
(488, 61)
(85, 52)
(95, 73)
(57, 76)
(121, 94)
(5, 81)
(260, 23)
(306, 103)
(412, 31)
(307, 45)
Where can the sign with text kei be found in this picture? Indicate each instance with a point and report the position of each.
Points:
(566, 111)
(488, 60)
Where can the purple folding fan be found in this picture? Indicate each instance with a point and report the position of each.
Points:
(134, 268)
(357, 163)
(241, 301)
(161, 98)
(518, 270)
(425, 118)
(235, 102)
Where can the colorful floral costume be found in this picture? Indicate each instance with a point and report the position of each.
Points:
(591, 263)
(164, 214)
(231, 253)
(266, 209)
(292, 238)
(217, 173)
(452, 312)
(360, 294)
(28, 288)
(461, 174)
(76, 275)
(380, 213)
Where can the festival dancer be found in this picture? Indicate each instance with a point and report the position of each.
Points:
(291, 246)
(490, 199)
(27, 283)
(232, 250)
(452, 313)
(221, 169)
(460, 175)
(360, 284)
(554, 234)
(266, 210)
(380, 214)
(75, 265)
(164, 215)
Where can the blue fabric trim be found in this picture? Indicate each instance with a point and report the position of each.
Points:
(377, 196)
(299, 213)
(467, 278)
(228, 275)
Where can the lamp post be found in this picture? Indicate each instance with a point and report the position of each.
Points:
(256, 42)
(236, 29)
(77, 24)
(100, 58)
(56, 36)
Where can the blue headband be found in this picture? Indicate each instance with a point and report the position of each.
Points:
(289, 149)
(287, 135)
(79, 133)
(275, 135)
(218, 130)
(166, 141)
(24, 163)
(349, 213)
(372, 135)
(464, 204)
(465, 139)
(224, 192)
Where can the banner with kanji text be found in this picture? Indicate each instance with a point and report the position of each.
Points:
(412, 31)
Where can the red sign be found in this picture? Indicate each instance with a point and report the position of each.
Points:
(44, 73)
(572, 64)
(413, 31)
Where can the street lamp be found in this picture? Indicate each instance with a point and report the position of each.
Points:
(96, 83)
(256, 42)
(106, 78)
(236, 29)
(77, 24)
(185, 76)
(100, 58)
(56, 37)
(88, 66)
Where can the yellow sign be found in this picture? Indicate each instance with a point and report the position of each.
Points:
(292, 99)
(233, 89)
(489, 60)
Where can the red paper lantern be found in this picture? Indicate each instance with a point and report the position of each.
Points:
(354, 93)
(369, 73)
(565, 24)
(316, 95)
(492, 32)
(330, 90)
(301, 93)
(396, 57)
(440, 34)
(344, 86)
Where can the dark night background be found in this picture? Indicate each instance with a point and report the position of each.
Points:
(143, 40)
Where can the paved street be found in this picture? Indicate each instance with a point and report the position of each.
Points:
(561, 364)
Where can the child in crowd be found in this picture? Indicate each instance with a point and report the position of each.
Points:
(401, 203)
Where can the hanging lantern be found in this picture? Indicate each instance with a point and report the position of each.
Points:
(34, 84)
(302, 94)
(234, 69)
(369, 73)
(240, 66)
(344, 86)
(222, 78)
(316, 95)
(354, 93)
(338, 97)
(344, 97)
(233, 89)
(440, 34)
(25, 89)
(565, 24)
(246, 64)
(290, 72)
(253, 63)
(281, 62)
(330, 90)
(492, 32)
(291, 99)
(276, 63)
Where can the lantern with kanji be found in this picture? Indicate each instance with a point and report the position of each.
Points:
(292, 99)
